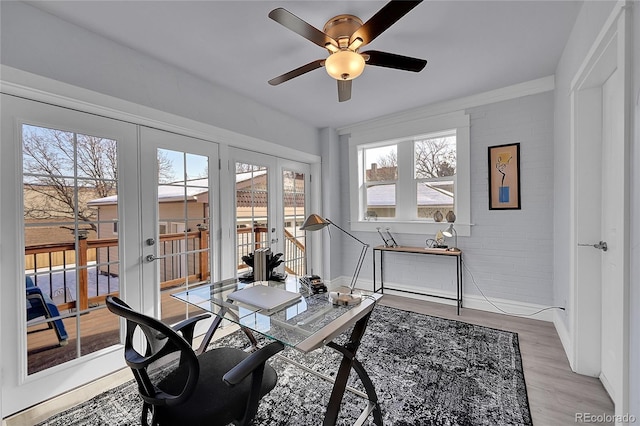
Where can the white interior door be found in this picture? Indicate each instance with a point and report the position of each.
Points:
(613, 221)
(600, 280)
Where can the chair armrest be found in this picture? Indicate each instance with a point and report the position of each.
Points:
(187, 326)
(33, 291)
(253, 361)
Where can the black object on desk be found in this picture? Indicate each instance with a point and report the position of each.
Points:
(454, 254)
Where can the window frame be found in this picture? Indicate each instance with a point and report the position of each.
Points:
(405, 132)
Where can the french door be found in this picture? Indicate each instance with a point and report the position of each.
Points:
(179, 177)
(61, 257)
(271, 199)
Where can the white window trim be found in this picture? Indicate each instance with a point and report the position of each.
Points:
(403, 129)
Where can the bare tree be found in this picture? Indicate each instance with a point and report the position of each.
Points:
(435, 158)
(63, 171)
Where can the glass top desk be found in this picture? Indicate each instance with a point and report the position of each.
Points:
(306, 325)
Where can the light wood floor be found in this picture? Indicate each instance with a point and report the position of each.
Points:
(555, 393)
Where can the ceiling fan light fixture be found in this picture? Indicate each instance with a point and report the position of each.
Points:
(344, 65)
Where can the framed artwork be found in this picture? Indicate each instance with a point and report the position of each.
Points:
(504, 177)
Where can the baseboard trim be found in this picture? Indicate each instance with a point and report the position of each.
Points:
(495, 305)
(565, 338)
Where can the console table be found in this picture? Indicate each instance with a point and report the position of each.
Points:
(453, 254)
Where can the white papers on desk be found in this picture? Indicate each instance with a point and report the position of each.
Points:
(265, 297)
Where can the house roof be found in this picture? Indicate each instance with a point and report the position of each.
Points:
(385, 195)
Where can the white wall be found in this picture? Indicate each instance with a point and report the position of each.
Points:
(40, 43)
(509, 253)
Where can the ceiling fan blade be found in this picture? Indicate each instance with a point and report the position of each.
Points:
(391, 60)
(344, 90)
(297, 25)
(297, 72)
(383, 19)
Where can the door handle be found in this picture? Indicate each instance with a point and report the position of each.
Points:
(151, 257)
(602, 245)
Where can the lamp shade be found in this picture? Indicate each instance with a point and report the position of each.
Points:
(314, 223)
(451, 232)
(344, 65)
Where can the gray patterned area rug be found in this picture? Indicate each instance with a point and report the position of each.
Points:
(426, 370)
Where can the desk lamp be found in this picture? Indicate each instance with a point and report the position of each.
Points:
(450, 232)
(314, 223)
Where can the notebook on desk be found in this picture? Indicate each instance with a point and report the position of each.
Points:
(264, 297)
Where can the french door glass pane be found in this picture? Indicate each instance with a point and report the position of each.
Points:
(183, 226)
(294, 216)
(72, 262)
(252, 211)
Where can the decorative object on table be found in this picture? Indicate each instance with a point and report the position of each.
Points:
(451, 232)
(492, 390)
(314, 223)
(263, 264)
(451, 216)
(440, 240)
(313, 284)
(437, 216)
(389, 241)
(504, 177)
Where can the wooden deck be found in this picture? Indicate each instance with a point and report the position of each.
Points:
(99, 329)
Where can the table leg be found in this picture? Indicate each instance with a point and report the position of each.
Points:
(349, 361)
(210, 332)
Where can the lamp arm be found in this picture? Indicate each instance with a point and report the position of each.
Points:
(363, 253)
(352, 236)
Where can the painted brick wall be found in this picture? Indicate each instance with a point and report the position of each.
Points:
(510, 252)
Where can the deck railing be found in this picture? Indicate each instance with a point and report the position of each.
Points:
(93, 274)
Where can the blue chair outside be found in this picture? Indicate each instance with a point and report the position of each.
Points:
(39, 304)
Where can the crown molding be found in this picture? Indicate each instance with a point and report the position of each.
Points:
(540, 85)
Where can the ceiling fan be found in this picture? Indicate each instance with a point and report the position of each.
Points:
(343, 36)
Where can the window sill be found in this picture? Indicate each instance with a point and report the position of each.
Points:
(409, 227)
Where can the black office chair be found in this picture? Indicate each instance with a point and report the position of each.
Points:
(218, 387)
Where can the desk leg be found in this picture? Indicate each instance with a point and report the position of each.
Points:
(349, 361)
(211, 331)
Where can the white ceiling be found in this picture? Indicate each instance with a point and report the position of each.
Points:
(471, 47)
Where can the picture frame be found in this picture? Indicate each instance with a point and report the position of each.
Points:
(504, 177)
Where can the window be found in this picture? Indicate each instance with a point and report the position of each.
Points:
(434, 167)
(380, 177)
(410, 175)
